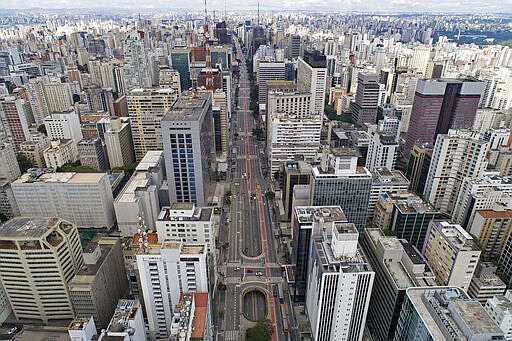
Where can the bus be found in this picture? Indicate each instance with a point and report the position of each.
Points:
(285, 318)
(280, 290)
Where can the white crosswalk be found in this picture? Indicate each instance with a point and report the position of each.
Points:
(231, 335)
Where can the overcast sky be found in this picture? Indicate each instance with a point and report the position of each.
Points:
(465, 6)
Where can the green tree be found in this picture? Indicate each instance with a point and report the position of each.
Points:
(225, 246)
(24, 162)
(221, 314)
(222, 287)
(277, 175)
(270, 195)
(262, 331)
(257, 132)
(42, 129)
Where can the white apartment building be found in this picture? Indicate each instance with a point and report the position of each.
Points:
(384, 181)
(298, 103)
(141, 195)
(83, 198)
(187, 223)
(166, 271)
(289, 136)
(456, 155)
(481, 193)
(64, 125)
(312, 77)
(340, 285)
(451, 253)
(499, 309)
(382, 151)
(60, 152)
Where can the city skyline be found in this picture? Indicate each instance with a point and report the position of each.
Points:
(370, 6)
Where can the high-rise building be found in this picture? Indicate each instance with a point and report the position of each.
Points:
(383, 181)
(99, 284)
(187, 131)
(136, 63)
(366, 98)
(91, 153)
(83, 198)
(440, 105)
(37, 98)
(382, 151)
(408, 216)
(180, 60)
(268, 71)
(444, 313)
(486, 192)
(60, 152)
(309, 221)
(340, 283)
(58, 96)
(64, 125)
(49, 254)
(418, 166)
(485, 283)
(290, 137)
(398, 265)
(451, 164)
(339, 181)
(169, 79)
(9, 168)
(499, 309)
(196, 221)
(142, 195)
(166, 271)
(33, 151)
(492, 229)
(312, 77)
(146, 108)
(14, 117)
(119, 143)
(292, 174)
(220, 122)
(451, 253)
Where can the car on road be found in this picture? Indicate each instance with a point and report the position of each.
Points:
(249, 271)
(259, 274)
(237, 268)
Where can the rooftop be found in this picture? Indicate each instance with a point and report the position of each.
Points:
(455, 235)
(384, 175)
(126, 310)
(151, 159)
(41, 175)
(189, 107)
(324, 214)
(198, 325)
(442, 309)
(27, 227)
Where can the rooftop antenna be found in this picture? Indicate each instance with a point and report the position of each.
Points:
(258, 13)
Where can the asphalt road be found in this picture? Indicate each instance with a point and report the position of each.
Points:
(248, 229)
